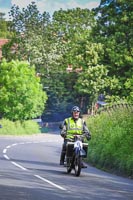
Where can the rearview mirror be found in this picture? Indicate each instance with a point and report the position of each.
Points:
(60, 126)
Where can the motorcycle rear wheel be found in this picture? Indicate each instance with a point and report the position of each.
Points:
(69, 168)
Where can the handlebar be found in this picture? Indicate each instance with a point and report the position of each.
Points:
(77, 137)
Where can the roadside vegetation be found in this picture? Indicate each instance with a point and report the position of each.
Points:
(18, 128)
(21, 93)
(111, 146)
(48, 65)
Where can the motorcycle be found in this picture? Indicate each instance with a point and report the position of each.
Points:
(76, 150)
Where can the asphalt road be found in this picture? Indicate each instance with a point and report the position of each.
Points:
(30, 170)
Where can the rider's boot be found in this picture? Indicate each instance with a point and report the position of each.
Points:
(62, 158)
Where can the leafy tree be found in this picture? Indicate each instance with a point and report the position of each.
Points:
(74, 38)
(21, 94)
(94, 81)
(30, 27)
(34, 41)
(51, 47)
(114, 31)
(72, 27)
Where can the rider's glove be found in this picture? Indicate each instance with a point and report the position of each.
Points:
(88, 137)
(63, 135)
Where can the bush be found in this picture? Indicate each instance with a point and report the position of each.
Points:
(21, 95)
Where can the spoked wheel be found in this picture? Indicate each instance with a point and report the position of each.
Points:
(77, 163)
(69, 168)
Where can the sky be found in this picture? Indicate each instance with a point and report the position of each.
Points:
(48, 5)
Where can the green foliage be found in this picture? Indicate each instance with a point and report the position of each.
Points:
(21, 94)
(4, 31)
(18, 128)
(47, 45)
(30, 41)
(95, 80)
(114, 31)
(129, 86)
(112, 141)
(95, 42)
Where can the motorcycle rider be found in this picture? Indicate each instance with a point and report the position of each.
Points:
(70, 127)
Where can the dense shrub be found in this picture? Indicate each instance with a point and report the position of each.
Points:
(111, 146)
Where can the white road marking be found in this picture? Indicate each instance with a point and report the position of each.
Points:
(14, 144)
(17, 165)
(4, 151)
(51, 183)
(23, 168)
(6, 157)
(8, 147)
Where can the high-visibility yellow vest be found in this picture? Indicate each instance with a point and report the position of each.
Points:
(74, 127)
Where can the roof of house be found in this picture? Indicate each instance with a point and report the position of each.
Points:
(3, 41)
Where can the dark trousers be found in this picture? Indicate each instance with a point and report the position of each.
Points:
(63, 151)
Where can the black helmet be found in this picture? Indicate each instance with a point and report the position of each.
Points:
(75, 109)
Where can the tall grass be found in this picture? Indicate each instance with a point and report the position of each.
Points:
(111, 146)
(28, 127)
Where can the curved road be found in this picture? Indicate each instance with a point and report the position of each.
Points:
(30, 170)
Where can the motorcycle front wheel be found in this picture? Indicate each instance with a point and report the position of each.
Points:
(69, 168)
(77, 165)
